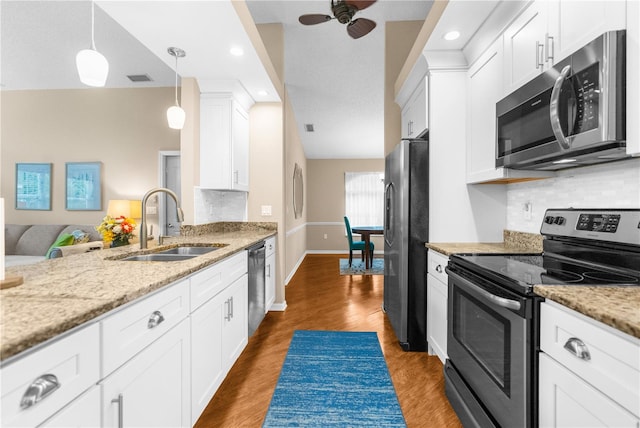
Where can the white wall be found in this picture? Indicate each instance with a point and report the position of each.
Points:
(610, 185)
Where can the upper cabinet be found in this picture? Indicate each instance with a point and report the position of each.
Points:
(548, 31)
(224, 143)
(415, 112)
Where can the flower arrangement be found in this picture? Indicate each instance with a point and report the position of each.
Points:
(117, 230)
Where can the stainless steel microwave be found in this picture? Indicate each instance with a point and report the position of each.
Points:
(573, 114)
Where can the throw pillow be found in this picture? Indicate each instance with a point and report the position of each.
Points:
(80, 237)
(64, 239)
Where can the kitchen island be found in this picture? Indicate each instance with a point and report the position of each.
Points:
(59, 295)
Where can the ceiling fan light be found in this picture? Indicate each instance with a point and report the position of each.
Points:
(93, 67)
(175, 117)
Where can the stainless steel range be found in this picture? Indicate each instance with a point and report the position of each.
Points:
(491, 374)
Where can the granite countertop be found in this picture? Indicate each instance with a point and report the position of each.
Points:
(616, 306)
(60, 294)
(513, 242)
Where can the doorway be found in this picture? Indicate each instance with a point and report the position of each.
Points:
(169, 171)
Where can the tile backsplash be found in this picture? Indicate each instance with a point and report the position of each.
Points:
(212, 206)
(610, 185)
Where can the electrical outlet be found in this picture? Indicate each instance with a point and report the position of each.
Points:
(527, 209)
(325, 236)
(266, 210)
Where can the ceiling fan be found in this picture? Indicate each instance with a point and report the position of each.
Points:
(343, 11)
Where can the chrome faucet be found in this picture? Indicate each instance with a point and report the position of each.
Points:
(143, 222)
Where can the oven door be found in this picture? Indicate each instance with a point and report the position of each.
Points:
(490, 347)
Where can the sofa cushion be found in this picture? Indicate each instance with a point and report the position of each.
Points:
(37, 239)
(12, 234)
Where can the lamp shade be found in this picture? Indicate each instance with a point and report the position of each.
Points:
(125, 207)
(175, 117)
(93, 67)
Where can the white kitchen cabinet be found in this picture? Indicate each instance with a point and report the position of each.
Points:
(219, 329)
(548, 31)
(416, 112)
(224, 143)
(485, 88)
(573, 24)
(437, 296)
(71, 362)
(589, 372)
(83, 412)
(524, 45)
(270, 273)
(151, 389)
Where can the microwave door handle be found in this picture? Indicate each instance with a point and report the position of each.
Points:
(554, 109)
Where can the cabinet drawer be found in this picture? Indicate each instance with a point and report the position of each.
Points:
(211, 281)
(74, 363)
(270, 246)
(128, 331)
(613, 365)
(436, 262)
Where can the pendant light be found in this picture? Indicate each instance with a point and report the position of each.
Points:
(175, 114)
(92, 65)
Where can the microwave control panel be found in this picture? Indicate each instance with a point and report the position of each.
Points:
(587, 90)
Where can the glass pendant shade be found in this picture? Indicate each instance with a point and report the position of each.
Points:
(175, 117)
(93, 67)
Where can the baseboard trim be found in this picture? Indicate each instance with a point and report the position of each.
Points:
(278, 307)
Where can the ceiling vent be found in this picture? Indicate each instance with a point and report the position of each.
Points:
(139, 77)
(308, 127)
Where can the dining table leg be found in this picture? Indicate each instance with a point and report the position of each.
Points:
(367, 259)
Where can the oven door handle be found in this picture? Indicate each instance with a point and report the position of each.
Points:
(500, 301)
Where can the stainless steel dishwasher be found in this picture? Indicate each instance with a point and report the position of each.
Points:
(256, 285)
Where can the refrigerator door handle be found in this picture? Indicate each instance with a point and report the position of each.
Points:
(388, 223)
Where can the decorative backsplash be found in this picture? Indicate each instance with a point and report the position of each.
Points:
(610, 185)
(212, 206)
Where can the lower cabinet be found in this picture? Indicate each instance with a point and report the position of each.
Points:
(151, 389)
(83, 412)
(589, 373)
(437, 295)
(270, 273)
(219, 331)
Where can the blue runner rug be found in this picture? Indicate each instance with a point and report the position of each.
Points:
(334, 379)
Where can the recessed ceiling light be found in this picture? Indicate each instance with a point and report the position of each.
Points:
(263, 93)
(236, 51)
(451, 35)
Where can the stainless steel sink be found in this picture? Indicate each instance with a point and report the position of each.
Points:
(159, 257)
(189, 250)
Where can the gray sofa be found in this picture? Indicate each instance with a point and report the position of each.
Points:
(24, 244)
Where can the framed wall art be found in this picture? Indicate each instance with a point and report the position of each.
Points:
(33, 186)
(84, 187)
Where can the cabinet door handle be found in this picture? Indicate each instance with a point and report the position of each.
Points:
(227, 305)
(155, 319)
(120, 402)
(39, 389)
(231, 306)
(268, 271)
(550, 48)
(578, 348)
(439, 268)
(235, 176)
(539, 55)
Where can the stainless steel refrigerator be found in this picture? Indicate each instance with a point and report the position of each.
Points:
(406, 230)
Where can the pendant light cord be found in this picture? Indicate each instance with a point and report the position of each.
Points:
(177, 81)
(93, 42)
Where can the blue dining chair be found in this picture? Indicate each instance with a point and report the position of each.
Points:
(357, 245)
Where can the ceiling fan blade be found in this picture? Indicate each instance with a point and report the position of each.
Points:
(360, 4)
(314, 18)
(360, 27)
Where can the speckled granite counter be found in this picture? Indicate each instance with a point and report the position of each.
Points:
(618, 307)
(60, 294)
(513, 242)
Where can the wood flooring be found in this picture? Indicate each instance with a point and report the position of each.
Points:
(319, 298)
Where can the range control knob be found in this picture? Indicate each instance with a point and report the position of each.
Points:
(549, 219)
(560, 220)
